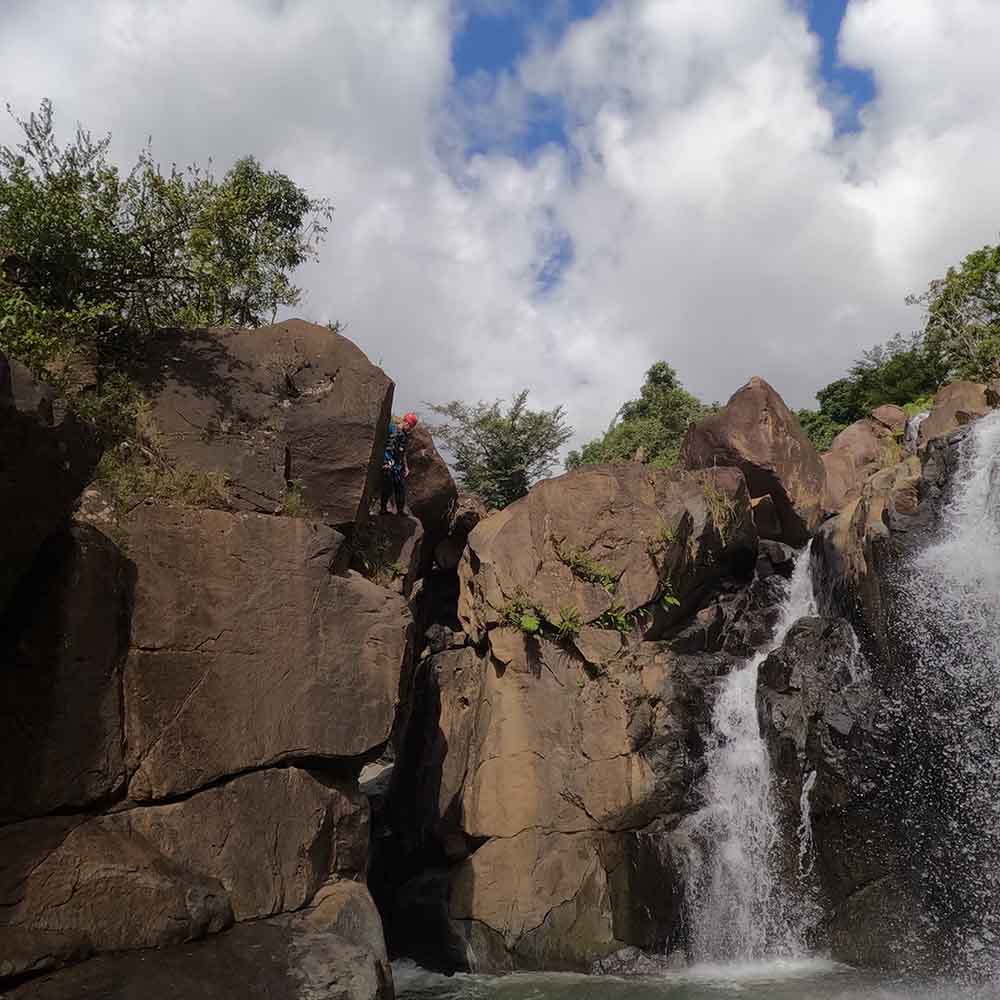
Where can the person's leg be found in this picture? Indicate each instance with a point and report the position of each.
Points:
(401, 496)
(386, 490)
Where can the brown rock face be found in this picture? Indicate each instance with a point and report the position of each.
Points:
(430, 491)
(852, 550)
(246, 651)
(561, 772)
(757, 433)
(280, 959)
(60, 678)
(46, 458)
(602, 538)
(153, 876)
(841, 479)
(890, 416)
(857, 453)
(469, 511)
(289, 402)
(270, 838)
(955, 405)
(95, 885)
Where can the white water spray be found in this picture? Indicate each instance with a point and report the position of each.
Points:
(804, 831)
(737, 908)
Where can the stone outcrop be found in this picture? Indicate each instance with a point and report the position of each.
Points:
(828, 722)
(890, 416)
(756, 433)
(605, 540)
(469, 511)
(248, 652)
(61, 656)
(288, 958)
(289, 403)
(389, 549)
(47, 456)
(955, 405)
(430, 491)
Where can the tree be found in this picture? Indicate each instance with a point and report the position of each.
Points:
(653, 425)
(963, 317)
(498, 454)
(819, 428)
(92, 261)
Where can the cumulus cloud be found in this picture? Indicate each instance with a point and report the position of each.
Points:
(703, 208)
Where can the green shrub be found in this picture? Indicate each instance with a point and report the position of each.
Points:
(585, 567)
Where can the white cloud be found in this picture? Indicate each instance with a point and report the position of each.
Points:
(716, 220)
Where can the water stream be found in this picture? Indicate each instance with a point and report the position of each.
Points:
(738, 909)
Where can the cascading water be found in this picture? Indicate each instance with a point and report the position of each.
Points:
(949, 784)
(737, 907)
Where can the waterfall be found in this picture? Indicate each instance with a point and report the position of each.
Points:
(736, 907)
(949, 792)
(912, 436)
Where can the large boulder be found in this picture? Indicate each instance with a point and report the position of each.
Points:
(469, 511)
(601, 544)
(47, 456)
(558, 771)
(757, 433)
(289, 403)
(858, 452)
(955, 405)
(280, 959)
(248, 652)
(430, 491)
(260, 845)
(92, 885)
(855, 554)
(61, 655)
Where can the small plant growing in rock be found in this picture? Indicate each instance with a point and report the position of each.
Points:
(569, 624)
(283, 366)
(584, 567)
(522, 614)
(371, 556)
(293, 503)
(617, 618)
(721, 508)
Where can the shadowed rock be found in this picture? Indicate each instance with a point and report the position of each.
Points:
(64, 642)
(289, 403)
(47, 456)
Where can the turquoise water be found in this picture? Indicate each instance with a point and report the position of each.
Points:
(811, 979)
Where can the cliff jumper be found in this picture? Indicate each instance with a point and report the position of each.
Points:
(394, 466)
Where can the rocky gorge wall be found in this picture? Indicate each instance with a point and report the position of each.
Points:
(469, 738)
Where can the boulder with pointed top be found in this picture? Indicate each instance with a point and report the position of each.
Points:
(757, 433)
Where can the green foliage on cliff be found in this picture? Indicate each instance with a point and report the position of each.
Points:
(819, 428)
(963, 317)
(652, 425)
(93, 260)
(498, 454)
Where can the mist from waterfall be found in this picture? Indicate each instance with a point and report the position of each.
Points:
(950, 778)
(737, 907)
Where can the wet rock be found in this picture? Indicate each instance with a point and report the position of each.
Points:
(47, 457)
(63, 645)
(247, 652)
(756, 433)
(288, 403)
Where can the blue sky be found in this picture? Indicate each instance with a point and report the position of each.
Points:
(493, 38)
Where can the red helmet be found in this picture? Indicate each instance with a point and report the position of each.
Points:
(409, 420)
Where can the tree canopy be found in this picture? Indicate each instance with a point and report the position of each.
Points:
(499, 454)
(652, 425)
(92, 259)
(963, 317)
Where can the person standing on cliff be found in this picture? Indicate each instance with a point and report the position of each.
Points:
(395, 469)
